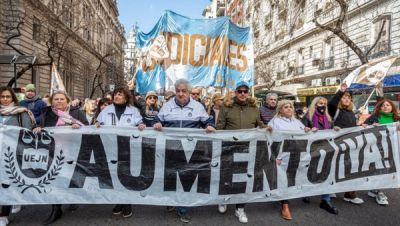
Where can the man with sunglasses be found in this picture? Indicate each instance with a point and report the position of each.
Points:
(196, 95)
(240, 113)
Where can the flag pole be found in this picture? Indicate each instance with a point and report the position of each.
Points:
(366, 102)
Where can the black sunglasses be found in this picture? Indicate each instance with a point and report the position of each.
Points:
(240, 91)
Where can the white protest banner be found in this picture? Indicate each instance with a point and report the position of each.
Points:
(188, 167)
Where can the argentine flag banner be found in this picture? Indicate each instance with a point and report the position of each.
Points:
(207, 52)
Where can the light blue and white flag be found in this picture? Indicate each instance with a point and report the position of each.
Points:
(207, 52)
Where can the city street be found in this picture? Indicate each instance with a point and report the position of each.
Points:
(259, 214)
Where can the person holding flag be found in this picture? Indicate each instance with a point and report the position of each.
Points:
(340, 108)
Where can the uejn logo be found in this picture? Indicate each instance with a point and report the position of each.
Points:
(35, 159)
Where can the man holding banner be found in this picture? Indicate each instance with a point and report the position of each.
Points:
(183, 112)
(239, 113)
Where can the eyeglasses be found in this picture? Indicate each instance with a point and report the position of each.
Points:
(152, 97)
(240, 91)
(6, 97)
(195, 93)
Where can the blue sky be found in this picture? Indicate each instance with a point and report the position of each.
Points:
(147, 12)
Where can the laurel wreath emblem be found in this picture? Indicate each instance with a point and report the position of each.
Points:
(40, 186)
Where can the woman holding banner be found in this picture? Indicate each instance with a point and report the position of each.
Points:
(340, 108)
(121, 113)
(13, 115)
(61, 113)
(318, 118)
(385, 112)
(150, 110)
(285, 120)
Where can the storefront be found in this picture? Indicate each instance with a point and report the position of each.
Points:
(306, 95)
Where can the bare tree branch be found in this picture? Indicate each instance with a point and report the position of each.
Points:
(377, 38)
(338, 31)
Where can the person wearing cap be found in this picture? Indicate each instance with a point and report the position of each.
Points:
(150, 110)
(183, 112)
(340, 108)
(33, 102)
(240, 112)
(215, 106)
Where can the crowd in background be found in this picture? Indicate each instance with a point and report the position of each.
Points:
(185, 107)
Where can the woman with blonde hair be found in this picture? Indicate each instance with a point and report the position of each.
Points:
(318, 118)
(90, 109)
(61, 113)
(285, 120)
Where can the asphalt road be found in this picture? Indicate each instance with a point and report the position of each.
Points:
(369, 213)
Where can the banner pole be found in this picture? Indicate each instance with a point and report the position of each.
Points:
(366, 102)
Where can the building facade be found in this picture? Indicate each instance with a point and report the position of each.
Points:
(293, 55)
(83, 38)
(132, 55)
(215, 9)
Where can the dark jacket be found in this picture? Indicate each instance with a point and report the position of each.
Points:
(267, 113)
(35, 107)
(239, 116)
(372, 119)
(49, 118)
(345, 118)
(149, 114)
(306, 121)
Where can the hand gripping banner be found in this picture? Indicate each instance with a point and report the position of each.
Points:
(188, 167)
(207, 52)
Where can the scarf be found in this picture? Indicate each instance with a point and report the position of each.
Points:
(64, 118)
(15, 110)
(320, 119)
(385, 118)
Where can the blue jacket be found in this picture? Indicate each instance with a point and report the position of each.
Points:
(35, 107)
(191, 115)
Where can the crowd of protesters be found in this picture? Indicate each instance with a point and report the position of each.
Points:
(184, 108)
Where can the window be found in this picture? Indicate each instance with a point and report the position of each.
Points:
(36, 29)
(87, 85)
(382, 47)
(68, 76)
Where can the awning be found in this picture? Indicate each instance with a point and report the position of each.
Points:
(388, 81)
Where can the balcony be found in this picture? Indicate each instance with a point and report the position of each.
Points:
(327, 63)
(299, 70)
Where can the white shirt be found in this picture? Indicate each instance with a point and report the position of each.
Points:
(130, 117)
